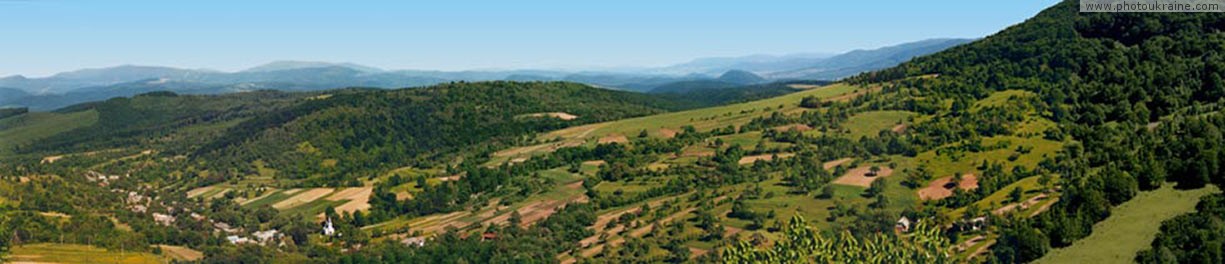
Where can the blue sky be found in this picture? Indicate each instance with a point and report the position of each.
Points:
(47, 36)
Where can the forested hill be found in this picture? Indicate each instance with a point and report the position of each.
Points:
(1093, 62)
(1139, 92)
(375, 130)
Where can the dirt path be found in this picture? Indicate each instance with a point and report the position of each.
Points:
(1023, 205)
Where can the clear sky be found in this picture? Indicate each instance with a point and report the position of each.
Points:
(41, 37)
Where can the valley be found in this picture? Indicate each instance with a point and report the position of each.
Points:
(1070, 137)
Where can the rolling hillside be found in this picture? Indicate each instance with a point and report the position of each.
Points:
(1051, 138)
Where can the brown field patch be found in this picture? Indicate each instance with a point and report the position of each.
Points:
(614, 139)
(558, 115)
(358, 199)
(795, 127)
(942, 187)
(51, 159)
(765, 157)
(403, 195)
(697, 251)
(803, 86)
(667, 133)
(292, 191)
(539, 210)
(54, 214)
(859, 176)
(596, 163)
(181, 253)
(303, 198)
(898, 128)
(834, 163)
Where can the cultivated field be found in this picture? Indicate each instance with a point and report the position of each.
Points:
(860, 176)
(943, 187)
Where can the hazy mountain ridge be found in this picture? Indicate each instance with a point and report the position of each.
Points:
(86, 85)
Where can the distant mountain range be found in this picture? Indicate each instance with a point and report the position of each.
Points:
(86, 85)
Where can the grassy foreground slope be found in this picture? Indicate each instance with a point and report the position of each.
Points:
(71, 253)
(1130, 228)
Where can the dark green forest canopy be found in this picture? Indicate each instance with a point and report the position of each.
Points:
(1101, 66)
(373, 130)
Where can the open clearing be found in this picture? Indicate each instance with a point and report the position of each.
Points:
(943, 187)
(558, 115)
(1131, 227)
(869, 124)
(859, 176)
(72, 253)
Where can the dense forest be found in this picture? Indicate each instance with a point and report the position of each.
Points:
(377, 130)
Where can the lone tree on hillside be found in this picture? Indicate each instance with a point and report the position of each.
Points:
(810, 102)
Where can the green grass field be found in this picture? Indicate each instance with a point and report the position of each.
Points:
(27, 128)
(705, 118)
(1130, 228)
(869, 124)
(1000, 198)
(967, 162)
(1001, 98)
(72, 253)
